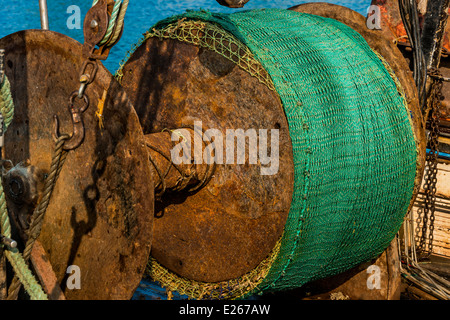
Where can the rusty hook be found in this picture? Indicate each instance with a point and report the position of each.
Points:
(77, 136)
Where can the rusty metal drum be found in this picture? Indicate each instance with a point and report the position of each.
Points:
(228, 227)
(100, 215)
(245, 221)
(187, 71)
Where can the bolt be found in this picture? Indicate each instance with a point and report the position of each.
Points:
(94, 24)
(16, 187)
(8, 242)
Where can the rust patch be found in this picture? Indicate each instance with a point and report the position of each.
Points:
(228, 227)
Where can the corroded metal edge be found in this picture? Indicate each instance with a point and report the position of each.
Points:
(100, 216)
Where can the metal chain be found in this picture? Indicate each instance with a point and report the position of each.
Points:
(430, 178)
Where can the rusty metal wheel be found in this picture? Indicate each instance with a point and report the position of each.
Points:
(100, 216)
(227, 228)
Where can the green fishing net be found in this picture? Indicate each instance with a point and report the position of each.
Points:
(354, 147)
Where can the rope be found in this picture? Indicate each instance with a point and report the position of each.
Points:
(116, 22)
(120, 21)
(58, 159)
(112, 22)
(21, 270)
(6, 102)
(184, 180)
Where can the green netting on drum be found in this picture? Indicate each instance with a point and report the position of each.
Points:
(354, 147)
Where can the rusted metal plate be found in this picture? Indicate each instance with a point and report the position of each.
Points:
(391, 19)
(101, 211)
(228, 227)
(381, 42)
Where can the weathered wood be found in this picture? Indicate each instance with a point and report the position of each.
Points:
(420, 293)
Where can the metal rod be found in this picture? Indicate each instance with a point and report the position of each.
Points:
(10, 243)
(44, 14)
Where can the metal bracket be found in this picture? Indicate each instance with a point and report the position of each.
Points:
(94, 28)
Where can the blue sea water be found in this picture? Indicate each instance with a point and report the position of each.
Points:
(16, 15)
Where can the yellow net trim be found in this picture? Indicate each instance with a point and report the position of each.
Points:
(225, 290)
(212, 37)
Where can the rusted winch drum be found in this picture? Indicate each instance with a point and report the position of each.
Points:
(225, 230)
(100, 215)
(271, 218)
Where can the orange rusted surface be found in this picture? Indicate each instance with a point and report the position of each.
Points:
(100, 215)
(391, 19)
(228, 227)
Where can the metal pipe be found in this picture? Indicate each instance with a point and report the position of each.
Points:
(44, 14)
(10, 243)
(440, 154)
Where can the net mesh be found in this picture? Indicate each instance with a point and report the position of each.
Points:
(354, 147)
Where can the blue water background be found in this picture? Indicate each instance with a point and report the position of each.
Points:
(16, 15)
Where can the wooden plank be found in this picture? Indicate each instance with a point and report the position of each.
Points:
(45, 273)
